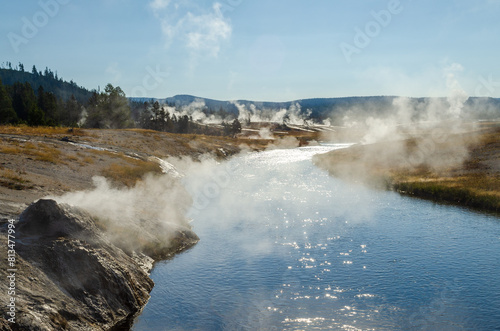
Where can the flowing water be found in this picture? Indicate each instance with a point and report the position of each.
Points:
(284, 246)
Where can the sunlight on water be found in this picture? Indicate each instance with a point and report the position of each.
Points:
(284, 246)
(282, 156)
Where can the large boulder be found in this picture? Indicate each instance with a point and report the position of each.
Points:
(49, 220)
(70, 275)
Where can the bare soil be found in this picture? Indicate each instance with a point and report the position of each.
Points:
(37, 162)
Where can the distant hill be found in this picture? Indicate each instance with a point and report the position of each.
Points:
(318, 106)
(186, 100)
(336, 108)
(49, 81)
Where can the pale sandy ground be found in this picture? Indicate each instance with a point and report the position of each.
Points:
(51, 162)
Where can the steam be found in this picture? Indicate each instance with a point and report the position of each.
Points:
(457, 96)
(427, 133)
(265, 133)
(148, 213)
(293, 115)
(158, 206)
(247, 114)
(412, 134)
(285, 143)
(195, 110)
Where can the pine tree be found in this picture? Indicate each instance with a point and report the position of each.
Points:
(7, 113)
(23, 100)
(47, 103)
(71, 113)
(235, 128)
(109, 109)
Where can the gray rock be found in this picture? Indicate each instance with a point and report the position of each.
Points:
(70, 276)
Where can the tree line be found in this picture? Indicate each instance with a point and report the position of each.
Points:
(153, 116)
(21, 103)
(48, 79)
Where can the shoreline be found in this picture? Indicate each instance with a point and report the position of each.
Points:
(473, 182)
(68, 258)
(75, 271)
(41, 162)
(67, 273)
(458, 197)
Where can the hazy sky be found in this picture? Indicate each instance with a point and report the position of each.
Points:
(273, 50)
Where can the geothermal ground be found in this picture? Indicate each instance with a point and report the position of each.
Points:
(37, 162)
(459, 168)
(40, 162)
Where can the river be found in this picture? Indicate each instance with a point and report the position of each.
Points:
(285, 246)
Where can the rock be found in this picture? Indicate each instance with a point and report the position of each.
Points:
(49, 220)
(151, 237)
(70, 276)
(68, 140)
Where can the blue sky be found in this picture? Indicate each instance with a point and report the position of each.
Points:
(261, 50)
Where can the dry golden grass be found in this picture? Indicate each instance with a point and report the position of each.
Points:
(41, 130)
(130, 172)
(40, 152)
(97, 152)
(10, 150)
(29, 145)
(144, 131)
(88, 160)
(71, 158)
(476, 190)
(48, 154)
(478, 183)
(13, 180)
(461, 192)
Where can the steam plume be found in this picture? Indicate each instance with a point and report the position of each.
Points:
(414, 133)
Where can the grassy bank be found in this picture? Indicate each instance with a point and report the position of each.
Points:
(458, 192)
(463, 169)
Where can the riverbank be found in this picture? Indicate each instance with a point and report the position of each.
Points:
(38, 162)
(87, 267)
(76, 270)
(461, 168)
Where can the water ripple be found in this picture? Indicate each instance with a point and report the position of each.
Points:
(290, 248)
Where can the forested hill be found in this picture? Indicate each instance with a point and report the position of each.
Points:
(42, 98)
(48, 80)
